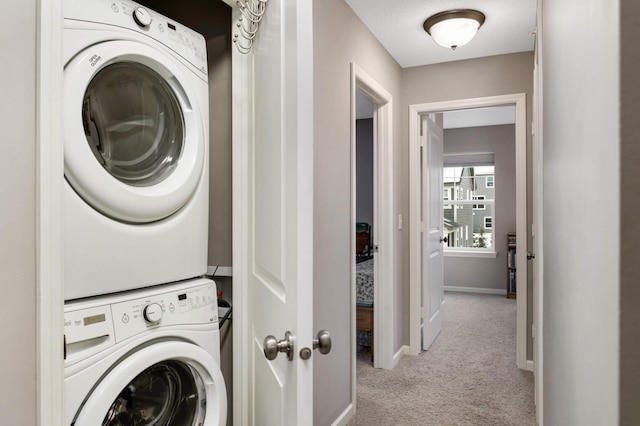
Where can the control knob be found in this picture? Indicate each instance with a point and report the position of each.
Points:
(142, 17)
(152, 312)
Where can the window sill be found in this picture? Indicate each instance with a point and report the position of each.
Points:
(470, 253)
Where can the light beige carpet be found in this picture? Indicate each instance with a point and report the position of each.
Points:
(468, 376)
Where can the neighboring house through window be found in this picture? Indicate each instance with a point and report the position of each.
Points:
(466, 183)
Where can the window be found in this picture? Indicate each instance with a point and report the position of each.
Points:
(463, 186)
(479, 206)
(447, 197)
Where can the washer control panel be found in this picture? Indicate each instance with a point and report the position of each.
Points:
(196, 305)
(94, 324)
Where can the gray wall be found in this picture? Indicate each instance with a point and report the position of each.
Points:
(339, 39)
(581, 95)
(487, 273)
(364, 171)
(490, 76)
(629, 206)
(17, 216)
(220, 220)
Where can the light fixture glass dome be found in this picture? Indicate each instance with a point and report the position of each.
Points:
(454, 28)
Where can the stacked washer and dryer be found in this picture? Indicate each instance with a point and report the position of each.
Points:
(141, 327)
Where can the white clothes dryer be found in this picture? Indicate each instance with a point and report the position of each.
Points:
(147, 357)
(135, 107)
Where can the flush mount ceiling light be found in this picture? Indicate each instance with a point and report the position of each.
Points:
(454, 28)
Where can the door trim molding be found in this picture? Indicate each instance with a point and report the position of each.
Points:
(538, 221)
(415, 111)
(383, 299)
(49, 176)
(241, 135)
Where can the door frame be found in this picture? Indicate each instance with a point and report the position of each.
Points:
(383, 298)
(241, 89)
(49, 178)
(415, 111)
(538, 223)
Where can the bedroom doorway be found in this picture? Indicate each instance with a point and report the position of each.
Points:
(372, 228)
(365, 195)
(522, 306)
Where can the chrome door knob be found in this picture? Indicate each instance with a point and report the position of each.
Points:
(322, 342)
(272, 347)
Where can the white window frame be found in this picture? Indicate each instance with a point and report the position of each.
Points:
(478, 198)
(485, 222)
(493, 182)
(489, 252)
(447, 197)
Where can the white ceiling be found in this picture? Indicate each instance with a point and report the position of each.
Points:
(397, 24)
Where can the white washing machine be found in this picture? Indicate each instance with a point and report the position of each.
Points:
(148, 357)
(135, 129)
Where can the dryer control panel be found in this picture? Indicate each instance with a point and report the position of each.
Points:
(95, 324)
(130, 15)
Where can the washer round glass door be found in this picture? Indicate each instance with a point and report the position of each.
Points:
(168, 383)
(133, 138)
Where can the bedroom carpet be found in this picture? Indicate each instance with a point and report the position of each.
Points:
(468, 377)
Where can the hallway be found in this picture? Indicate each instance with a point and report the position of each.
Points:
(468, 377)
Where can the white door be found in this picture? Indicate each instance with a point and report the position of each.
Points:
(273, 219)
(431, 147)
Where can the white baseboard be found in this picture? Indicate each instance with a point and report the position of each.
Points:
(398, 356)
(500, 291)
(530, 365)
(220, 271)
(346, 415)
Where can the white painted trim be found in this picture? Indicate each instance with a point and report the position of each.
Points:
(220, 271)
(406, 350)
(521, 230)
(529, 366)
(397, 357)
(242, 133)
(345, 416)
(457, 289)
(469, 253)
(414, 227)
(384, 314)
(538, 222)
(521, 209)
(49, 178)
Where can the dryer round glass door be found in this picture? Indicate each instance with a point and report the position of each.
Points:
(134, 134)
(133, 123)
(168, 383)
